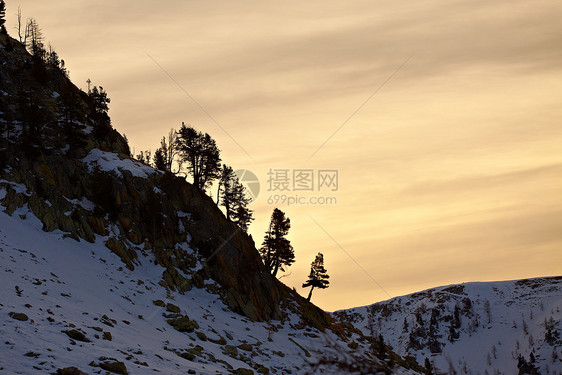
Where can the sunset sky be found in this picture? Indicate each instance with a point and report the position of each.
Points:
(442, 118)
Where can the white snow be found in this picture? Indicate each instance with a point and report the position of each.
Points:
(488, 342)
(19, 188)
(84, 203)
(110, 161)
(62, 284)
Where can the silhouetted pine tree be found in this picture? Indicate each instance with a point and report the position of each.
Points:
(3, 17)
(200, 153)
(225, 189)
(241, 214)
(276, 251)
(159, 159)
(167, 152)
(318, 277)
(144, 157)
(70, 118)
(232, 195)
(100, 106)
(100, 100)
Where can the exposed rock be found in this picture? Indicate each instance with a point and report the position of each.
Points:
(187, 355)
(220, 341)
(19, 316)
(70, 371)
(76, 335)
(114, 367)
(183, 324)
(261, 369)
(246, 347)
(173, 308)
(176, 281)
(243, 371)
(230, 350)
(126, 255)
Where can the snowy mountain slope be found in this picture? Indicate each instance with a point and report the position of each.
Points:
(108, 265)
(473, 328)
(65, 303)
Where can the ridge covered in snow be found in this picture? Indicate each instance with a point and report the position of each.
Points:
(505, 327)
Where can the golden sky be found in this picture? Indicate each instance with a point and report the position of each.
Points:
(443, 119)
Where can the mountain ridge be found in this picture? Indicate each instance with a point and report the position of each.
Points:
(472, 328)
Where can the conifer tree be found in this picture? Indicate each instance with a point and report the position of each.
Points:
(232, 195)
(318, 277)
(200, 153)
(36, 46)
(167, 153)
(159, 160)
(144, 157)
(276, 250)
(242, 215)
(99, 106)
(171, 148)
(3, 17)
(100, 100)
(224, 193)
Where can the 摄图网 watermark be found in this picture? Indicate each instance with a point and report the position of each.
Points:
(290, 186)
(293, 186)
(283, 179)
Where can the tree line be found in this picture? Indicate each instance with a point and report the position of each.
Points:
(196, 154)
(30, 115)
(30, 35)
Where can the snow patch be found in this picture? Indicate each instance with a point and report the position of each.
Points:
(19, 188)
(84, 203)
(110, 161)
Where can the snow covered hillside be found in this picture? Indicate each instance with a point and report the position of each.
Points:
(65, 304)
(109, 266)
(490, 328)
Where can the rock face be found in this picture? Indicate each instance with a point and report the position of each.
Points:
(42, 166)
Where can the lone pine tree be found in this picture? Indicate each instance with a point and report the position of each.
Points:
(276, 251)
(2, 17)
(318, 277)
